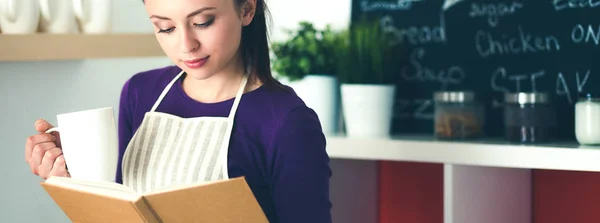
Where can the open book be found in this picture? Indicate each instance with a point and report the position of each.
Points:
(91, 201)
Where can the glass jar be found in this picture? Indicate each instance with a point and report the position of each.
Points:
(587, 119)
(529, 117)
(458, 115)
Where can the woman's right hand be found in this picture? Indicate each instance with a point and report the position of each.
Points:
(43, 152)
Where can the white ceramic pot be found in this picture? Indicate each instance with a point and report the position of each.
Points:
(57, 17)
(94, 16)
(321, 93)
(367, 109)
(19, 16)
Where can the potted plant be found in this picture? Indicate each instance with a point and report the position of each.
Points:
(367, 90)
(307, 63)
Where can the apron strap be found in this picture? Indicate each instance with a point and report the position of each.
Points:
(164, 92)
(238, 96)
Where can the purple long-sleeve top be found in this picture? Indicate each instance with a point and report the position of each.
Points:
(277, 143)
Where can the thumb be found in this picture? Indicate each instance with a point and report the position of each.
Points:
(42, 125)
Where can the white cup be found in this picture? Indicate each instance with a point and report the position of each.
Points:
(19, 16)
(89, 143)
(57, 17)
(94, 16)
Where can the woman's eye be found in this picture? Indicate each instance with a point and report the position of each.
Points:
(206, 24)
(165, 30)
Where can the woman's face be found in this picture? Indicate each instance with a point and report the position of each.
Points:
(200, 36)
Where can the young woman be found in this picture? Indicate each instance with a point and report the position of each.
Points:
(217, 114)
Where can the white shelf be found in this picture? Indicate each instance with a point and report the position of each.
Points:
(559, 156)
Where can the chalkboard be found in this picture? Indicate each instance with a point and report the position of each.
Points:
(489, 47)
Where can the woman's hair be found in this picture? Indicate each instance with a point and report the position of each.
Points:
(254, 44)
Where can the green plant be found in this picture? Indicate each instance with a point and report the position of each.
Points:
(309, 51)
(362, 52)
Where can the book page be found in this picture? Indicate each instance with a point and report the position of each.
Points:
(181, 186)
(111, 189)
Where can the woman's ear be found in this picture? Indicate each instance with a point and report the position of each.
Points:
(248, 11)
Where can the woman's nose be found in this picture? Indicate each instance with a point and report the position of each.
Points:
(189, 41)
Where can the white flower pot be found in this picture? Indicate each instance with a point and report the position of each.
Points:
(367, 109)
(321, 93)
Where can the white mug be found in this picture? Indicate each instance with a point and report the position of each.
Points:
(19, 16)
(57, 17)
(94, 16)
(89, 143)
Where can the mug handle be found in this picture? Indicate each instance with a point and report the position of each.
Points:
(79, 8)
(45, 10)
(11, 10)
(55, 129)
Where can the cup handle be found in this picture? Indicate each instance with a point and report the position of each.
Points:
(45, 10)
(11, 10)
(79, 8)
(55, 129)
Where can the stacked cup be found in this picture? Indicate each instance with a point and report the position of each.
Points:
(55, 16)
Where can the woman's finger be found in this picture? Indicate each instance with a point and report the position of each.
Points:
(42, 125)
(37, 154)
(59, 167)
(33, 140)
(48, 162)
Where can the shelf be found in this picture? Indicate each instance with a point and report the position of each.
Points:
(559, 156)
(39, 47)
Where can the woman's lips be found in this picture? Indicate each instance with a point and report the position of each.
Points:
(195, 63)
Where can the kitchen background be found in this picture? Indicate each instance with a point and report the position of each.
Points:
(371, 191)
(32, 90)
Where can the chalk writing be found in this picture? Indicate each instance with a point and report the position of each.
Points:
(562, 88)
(581, 83)
(493, 11)
(424, 109)
(488, 45)
(580, 35)
(574, 4)
(534, 76)
(449, 3)
(401, 109)
(501, 73)
(367, 6)
(420, 108)
(517, 79)
(422, 73)
(413, 35)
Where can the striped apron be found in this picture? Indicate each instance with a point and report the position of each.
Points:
(167, 150)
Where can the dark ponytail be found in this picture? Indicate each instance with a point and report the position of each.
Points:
(255, 44)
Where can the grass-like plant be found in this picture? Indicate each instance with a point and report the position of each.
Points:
(362, 52)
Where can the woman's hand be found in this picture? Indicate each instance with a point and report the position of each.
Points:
(43, 152)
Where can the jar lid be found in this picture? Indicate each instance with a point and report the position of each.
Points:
(454, 96)
(527, 98)
(589, 96)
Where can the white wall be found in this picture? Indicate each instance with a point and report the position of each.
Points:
(32, 90)
(287, 13)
